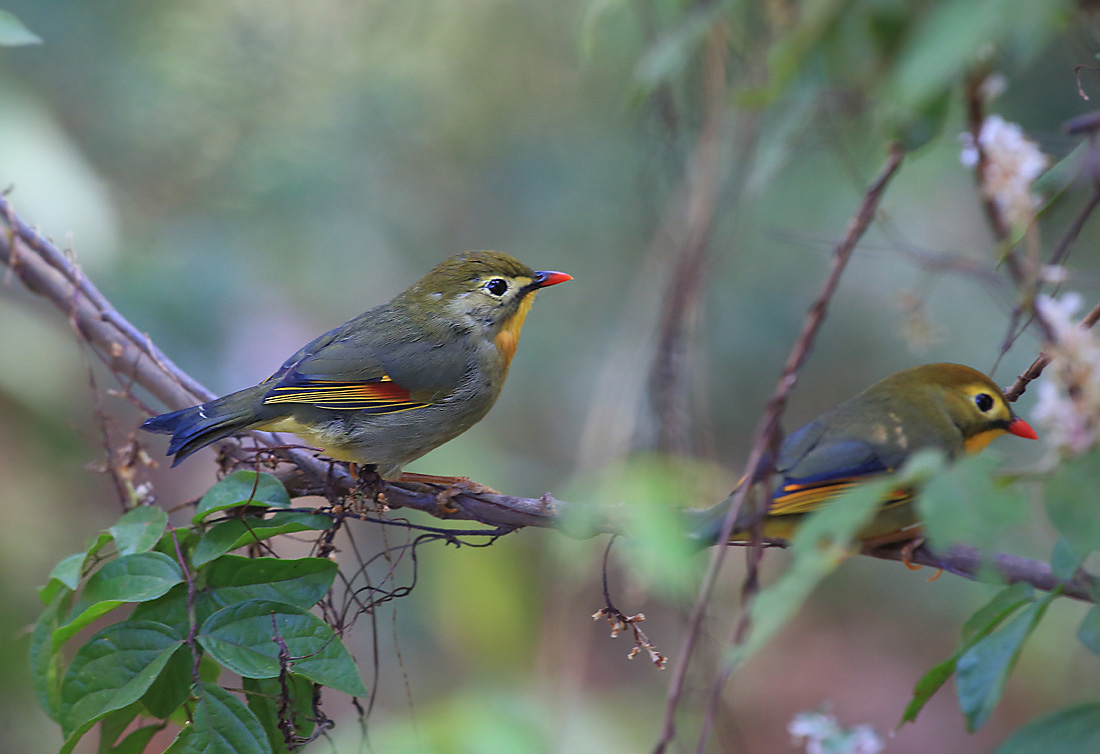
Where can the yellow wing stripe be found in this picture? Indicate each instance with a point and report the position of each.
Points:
(795, 499)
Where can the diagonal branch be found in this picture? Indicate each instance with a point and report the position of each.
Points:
(767, 432)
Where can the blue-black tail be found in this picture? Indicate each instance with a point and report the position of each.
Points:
(196, 427)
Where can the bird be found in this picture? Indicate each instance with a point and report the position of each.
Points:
(393, 383)
(950, 407)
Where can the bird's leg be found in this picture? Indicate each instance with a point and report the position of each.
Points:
(368, 484)
(913, 537)
(455, 485)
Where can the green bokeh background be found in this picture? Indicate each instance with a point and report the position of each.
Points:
(238, 176)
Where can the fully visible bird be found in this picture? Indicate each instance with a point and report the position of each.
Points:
(951, 407)
(393, 383)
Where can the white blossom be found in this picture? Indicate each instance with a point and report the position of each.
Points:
(1013, 162)
(1068, 405)
(822, 734)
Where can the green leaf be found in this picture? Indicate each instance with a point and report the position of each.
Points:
(14, 34)
(243, 488)
(131, 578)
(241, 637)
(171, 688)
(979, 625)
(70, 571)
(966, 504)
(1077, 480)
(822, 542)
(983, 669)
(229, 535)
(139, 529)
(114, 669)
(674, 50)
(1072, 730)
(1065, 560)
(1089, 632)
(926, 688)
(138, 741)
(114, 723)
(302, 582)
(222, 724)
(45, 660)
(264, 699)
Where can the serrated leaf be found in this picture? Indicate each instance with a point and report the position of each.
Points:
(139, 577)
(264, 699)
(114, 669)
(227, 536)
(241, 637)
(14, 34)
(243, 488)
(983, 669)
(1076, 480)
(302, 582)
(139, 529)
(222, 724)
(1072, 730)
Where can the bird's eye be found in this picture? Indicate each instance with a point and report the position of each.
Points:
(497, 287)
(984, 401)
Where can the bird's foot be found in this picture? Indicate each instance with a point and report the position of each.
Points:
(456, 485)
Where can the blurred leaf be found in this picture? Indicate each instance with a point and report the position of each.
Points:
(114, 669)
(1067, 493)
(1059, 176)
(131, 578)
(788, 56)
(984, 668)
(596, 12)
(954, 35)
(228, 535)
(966, 504)
(13, 33)
(243, 488)
(923, 124)
(667, 58)
(302, 582)
(1072, 730)
(1089, 632)
(979, 625)
(1065, 560)
(139, 529)
(240, 637)
(822, 542)
(222, 724)
(263, 698)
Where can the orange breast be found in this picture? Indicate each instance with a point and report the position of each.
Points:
(508, 338)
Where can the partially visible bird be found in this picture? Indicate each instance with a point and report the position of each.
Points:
(394, 382)
(951, 407)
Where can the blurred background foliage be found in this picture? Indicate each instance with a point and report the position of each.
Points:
(238, 176)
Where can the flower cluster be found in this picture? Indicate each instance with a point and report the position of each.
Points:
(1013, 162)
(822, 734)
(1068, 407)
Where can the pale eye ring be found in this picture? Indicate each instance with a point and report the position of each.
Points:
(984, 401)
(497, 286)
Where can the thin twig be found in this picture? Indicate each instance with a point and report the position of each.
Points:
(1017, 388)
(767, 433)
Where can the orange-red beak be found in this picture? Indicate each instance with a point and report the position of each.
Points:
(1021, 428)
(546, 278)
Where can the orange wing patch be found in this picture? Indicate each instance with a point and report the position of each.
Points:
(793, 499)
(382, 397)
